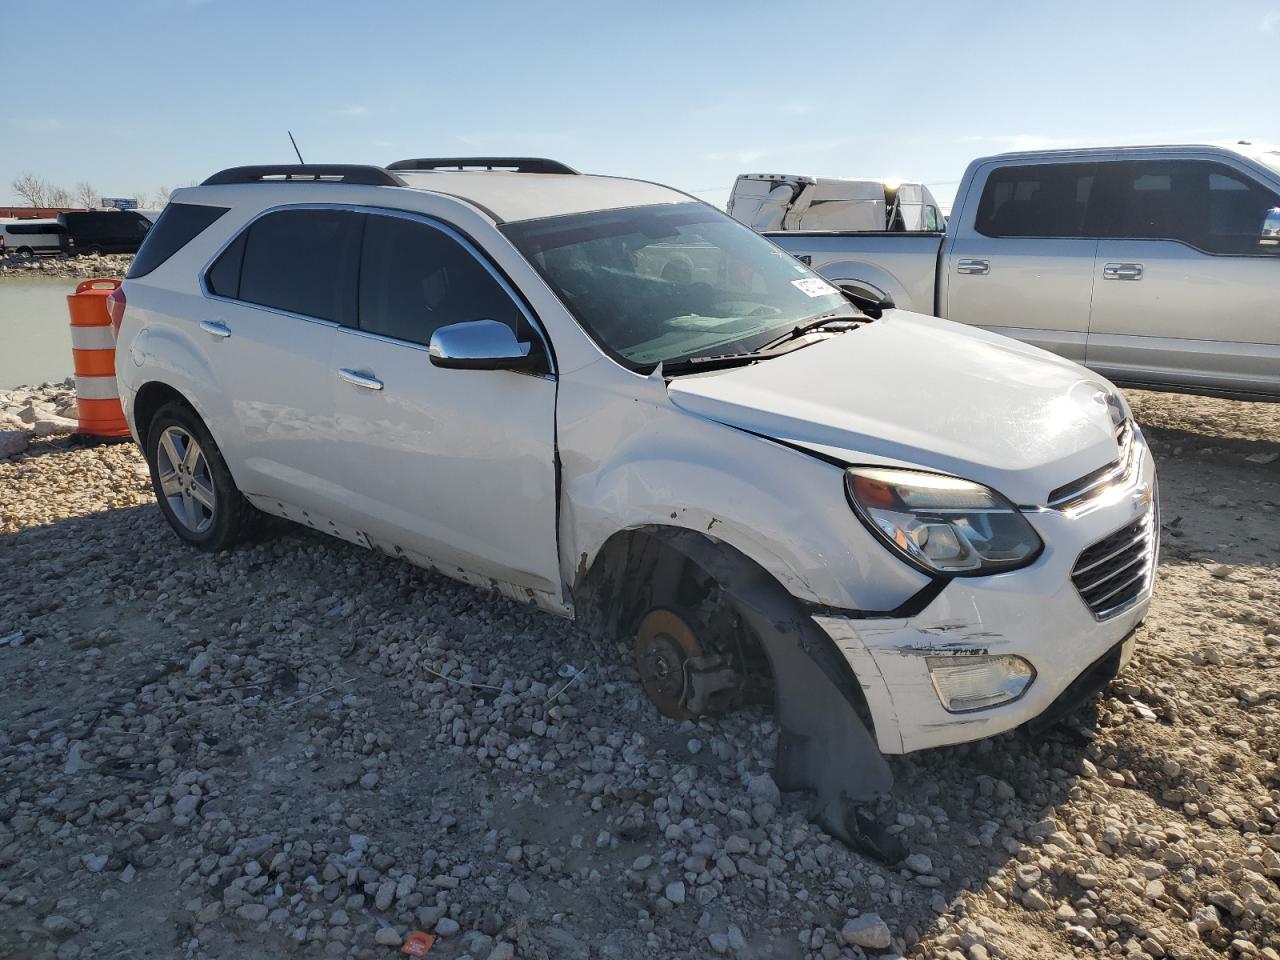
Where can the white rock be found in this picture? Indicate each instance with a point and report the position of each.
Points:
(867, 930)
(54, 426)
(94, 862)
(13, 442)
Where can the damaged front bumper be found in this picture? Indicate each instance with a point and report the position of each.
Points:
(1031, 628)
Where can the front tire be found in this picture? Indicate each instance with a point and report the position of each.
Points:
(195, 490)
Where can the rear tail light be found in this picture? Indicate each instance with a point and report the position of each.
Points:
(115, 309)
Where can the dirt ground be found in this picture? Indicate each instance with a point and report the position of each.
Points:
(300, 749)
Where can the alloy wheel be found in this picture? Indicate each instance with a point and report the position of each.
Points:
(185, 479)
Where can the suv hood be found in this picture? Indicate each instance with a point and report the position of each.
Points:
(918, 391)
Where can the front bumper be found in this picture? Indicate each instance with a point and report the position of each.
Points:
(1035, 613)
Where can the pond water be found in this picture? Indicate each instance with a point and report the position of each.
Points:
(35, 334)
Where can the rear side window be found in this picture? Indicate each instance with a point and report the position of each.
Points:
(415, 278)
(28, 229)
(303, 261)
(1204, 204)
(1037, 200)
(178, 225)
(223, 277)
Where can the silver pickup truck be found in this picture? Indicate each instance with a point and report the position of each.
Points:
(1157, 267)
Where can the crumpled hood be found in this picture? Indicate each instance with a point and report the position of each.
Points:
(920, 391)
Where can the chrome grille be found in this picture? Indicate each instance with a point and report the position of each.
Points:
(1099, 481)
(1114, 573)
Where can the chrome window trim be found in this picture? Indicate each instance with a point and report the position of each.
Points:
(447, 229)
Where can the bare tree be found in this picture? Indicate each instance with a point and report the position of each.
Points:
(86, 194)
(31, 189)
(162, 196)
(60, 197)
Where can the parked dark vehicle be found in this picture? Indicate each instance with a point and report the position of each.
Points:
(103, 231)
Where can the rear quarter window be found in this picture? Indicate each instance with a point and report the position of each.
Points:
(178, 225)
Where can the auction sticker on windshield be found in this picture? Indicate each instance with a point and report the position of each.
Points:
(814, 286)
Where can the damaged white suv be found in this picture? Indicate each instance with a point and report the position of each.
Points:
(599, 394)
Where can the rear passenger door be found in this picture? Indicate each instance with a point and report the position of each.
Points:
(277, 295)
(1022, 260)
(454, 467)
(1184, 292)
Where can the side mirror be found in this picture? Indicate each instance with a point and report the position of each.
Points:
(481, 345)
(1270, 229)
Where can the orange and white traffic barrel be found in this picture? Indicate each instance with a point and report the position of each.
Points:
(93, 349)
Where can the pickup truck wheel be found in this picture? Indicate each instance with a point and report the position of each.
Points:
(193, 486)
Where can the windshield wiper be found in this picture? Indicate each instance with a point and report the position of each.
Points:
(725, 360)
(800, 329)
(721, 362)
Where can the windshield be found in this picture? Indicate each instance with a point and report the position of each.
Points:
(656, 283)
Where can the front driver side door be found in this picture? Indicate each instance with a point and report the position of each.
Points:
(1021, 263)
(454, 467)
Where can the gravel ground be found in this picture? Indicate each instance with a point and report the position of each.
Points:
(75, 266)
(300, 749)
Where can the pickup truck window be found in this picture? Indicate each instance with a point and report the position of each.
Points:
(1204, 204)
(654, 283)
(1036, 200)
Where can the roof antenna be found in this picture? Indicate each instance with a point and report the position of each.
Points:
(295, 147)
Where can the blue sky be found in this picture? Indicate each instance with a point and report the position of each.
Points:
(149, 92)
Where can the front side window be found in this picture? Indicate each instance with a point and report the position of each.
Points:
(415, 278)
(1204, 204)
(1036, 200)
(302, 261)
(657, 283)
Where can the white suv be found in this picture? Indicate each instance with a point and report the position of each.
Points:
(599, 394)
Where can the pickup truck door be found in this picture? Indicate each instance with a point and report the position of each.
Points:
(1021, 262)
(454, 467)
(1184, 293)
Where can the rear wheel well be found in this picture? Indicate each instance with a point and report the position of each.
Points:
(150, 398)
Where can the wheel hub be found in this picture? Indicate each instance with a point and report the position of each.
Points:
(665, 643)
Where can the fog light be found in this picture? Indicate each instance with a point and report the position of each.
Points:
(972, 683)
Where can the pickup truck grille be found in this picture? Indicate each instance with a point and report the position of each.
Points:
(1116, 572)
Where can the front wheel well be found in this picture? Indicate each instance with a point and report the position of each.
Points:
(641, 567)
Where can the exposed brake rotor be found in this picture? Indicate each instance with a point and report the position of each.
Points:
(664, 644)
(681, 676)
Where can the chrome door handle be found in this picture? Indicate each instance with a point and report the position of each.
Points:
(215, 328)
(976, 267)
(359, 379)
(1122, 271)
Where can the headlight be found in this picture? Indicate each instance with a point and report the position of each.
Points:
(942, 524)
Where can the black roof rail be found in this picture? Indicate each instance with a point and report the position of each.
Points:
(304, 172)
(510, 164)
